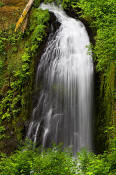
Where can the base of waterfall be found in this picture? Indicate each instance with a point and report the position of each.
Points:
(54, 161)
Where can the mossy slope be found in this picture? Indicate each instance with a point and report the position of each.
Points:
(17, 57)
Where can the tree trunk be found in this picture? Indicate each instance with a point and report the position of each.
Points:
(23, 15)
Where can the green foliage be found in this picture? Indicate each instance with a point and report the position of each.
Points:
(37, 3)
(91, 164)
(1, 4)
(49, 1)
(56, 2)
(54, 161)
(1, 72)
(2, 43)
(2, 129)
(50, 162)
(66, 4)
(10, 105)
(2, 54)
(16, 67)
(102, 16)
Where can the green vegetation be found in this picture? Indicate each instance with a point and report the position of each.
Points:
(102, 16)
(26, 161)
(1, 4)
(17, 56)
(54, 161)
(57, 2)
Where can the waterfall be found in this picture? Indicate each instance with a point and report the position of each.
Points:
(63, 113)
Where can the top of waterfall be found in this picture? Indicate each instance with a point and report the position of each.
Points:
(58, 11)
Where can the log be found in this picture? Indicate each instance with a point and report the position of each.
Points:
(23, 15)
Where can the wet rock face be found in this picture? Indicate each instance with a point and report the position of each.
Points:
(54, 22)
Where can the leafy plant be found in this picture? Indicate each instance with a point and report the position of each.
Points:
(18, 71)
(1, 4)
(55, 161)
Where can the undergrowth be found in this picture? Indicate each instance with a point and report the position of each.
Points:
(55, 161)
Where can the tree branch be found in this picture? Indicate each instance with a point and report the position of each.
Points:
(23, 15)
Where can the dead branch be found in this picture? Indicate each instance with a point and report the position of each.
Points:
(23, 15)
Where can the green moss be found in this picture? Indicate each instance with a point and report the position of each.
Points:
(1, 4)
(21, 50)
(105, 115)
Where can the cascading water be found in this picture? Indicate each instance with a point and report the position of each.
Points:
(64, 110)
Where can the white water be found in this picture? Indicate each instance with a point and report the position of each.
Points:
(64, 109)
